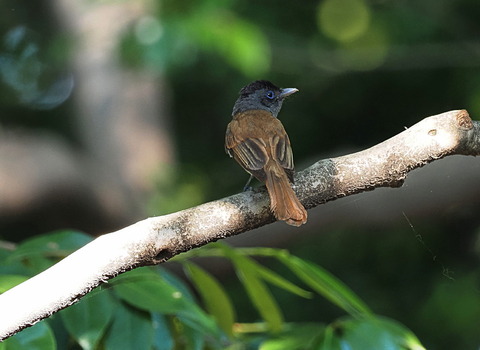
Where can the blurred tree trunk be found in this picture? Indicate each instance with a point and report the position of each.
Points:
(121, 113)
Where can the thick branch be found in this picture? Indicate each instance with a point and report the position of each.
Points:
(388, 163)
(157, 239)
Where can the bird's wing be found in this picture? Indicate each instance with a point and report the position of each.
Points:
(250, 153)
(282, 152)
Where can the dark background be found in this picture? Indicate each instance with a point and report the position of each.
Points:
(113, 111)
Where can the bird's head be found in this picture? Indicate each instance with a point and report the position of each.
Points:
(262, 94)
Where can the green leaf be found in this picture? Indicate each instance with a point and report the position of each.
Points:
(40, 337)
(215, 249)
(279, 281)
(40, 252)
(146, 290)
(327, 285)
(131, 329)
(87, 320)
(258, 292)
(163, 339)
(176, 282)
(56, 244)
(214, 297)
(192, 338)
(296, 336)
(369, 333)
(261, 297)
(9, 281)
(6, 249)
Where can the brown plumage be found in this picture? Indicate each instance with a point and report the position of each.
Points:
(257, 140)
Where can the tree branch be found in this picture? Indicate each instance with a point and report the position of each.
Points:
(157, 239)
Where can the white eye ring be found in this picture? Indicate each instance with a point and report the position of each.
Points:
(270, 94)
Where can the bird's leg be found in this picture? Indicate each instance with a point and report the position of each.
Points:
(247, 187)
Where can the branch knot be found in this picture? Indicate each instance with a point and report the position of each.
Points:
(463, 120)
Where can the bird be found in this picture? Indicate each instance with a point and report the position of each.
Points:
(257, 140)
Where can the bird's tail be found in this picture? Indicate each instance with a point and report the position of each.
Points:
(283, 201)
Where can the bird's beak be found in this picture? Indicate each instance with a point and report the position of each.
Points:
(287, 92)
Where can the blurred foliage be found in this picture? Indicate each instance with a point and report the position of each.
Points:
(35, 78)
(181, 32)
(365, 70)
(150, 308)
(27, 75)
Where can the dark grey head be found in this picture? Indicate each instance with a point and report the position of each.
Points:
(262, 94)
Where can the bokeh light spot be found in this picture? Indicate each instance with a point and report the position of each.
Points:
(148, 30)
(343, 20)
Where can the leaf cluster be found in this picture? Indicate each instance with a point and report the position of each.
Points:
(151, 308)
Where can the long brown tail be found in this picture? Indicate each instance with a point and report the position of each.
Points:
(283, 201)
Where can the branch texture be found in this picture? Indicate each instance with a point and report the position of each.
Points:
(157, 239)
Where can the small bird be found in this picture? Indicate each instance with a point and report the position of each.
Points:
(257, 140)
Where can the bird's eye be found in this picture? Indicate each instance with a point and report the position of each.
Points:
(270, 94)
